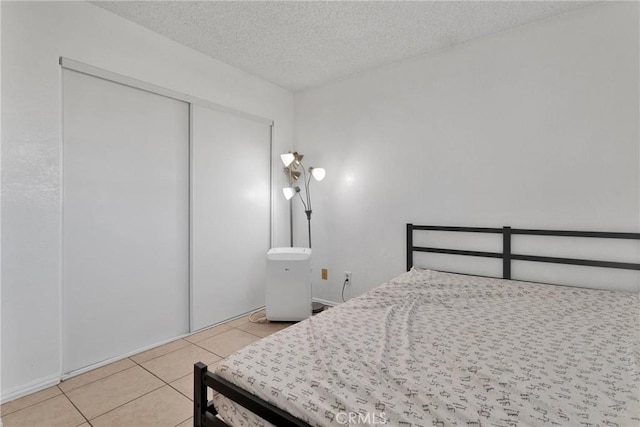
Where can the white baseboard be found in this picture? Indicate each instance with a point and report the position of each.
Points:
(119, 357)
(325, 302)
(55, 379)
(32, 387)
(148, 347)
(255, 310)
(224, 321)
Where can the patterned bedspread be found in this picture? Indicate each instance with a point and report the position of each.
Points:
(438, 349)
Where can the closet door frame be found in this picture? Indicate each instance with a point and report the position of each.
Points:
(70, 64)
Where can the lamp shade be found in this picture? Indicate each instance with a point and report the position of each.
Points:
(293, 175)
(287, 158)
(289, 192)
(318, 173)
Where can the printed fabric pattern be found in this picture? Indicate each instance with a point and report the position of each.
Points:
(438, 349)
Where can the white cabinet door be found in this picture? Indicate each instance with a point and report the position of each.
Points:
(231, 214)
(125, 219)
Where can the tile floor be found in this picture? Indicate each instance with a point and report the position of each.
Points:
(153, 388)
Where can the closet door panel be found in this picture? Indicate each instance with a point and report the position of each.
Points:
(231, 216)
(125, 219)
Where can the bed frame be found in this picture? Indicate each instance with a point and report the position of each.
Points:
(507, 256)
(204, 414)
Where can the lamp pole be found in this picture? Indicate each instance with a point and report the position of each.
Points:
(291, 222)
(291, 162)
(288, 169)
(309, 223)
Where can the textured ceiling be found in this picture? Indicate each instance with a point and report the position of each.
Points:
(298, 45)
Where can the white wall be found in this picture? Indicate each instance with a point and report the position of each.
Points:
(534, 127)
(1, 171)
(34, 35)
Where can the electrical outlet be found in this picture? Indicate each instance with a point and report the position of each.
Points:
(347, 277)
(325, 273)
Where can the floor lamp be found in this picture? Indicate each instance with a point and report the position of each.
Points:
(294, 169)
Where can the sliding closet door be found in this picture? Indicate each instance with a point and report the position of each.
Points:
(125, 219)
(230, 214)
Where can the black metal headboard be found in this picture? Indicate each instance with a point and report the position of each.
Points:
(507, 256)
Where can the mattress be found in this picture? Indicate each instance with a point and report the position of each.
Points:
(437, 349)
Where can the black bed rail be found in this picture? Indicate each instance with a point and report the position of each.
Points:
(507, 256)
(205, 414)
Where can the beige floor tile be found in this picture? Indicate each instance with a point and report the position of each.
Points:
(95, 375)
(185, 384)
(186, 423)
(159, 351)
(264, 329)
(31, 399)
(228, 342)
(57, 411)
(207, 333)
(242, 320)
(85, 425)
(108, 393)
(178, 363)
(164, 407)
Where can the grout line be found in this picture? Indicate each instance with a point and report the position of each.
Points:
(28, 406)
(251, 333)
(166, 383)
(271, 333)
(125, 403)
(214, 335)
(232, 327)
(77, 409)
(63, 393)
(184, 420)
(99, 415)
(180, 339)
(190, 373)
(241, 324)
(194, 344)
(93, 370)
(164, 354)
(97, 380)
(180, 393)
(205, 349)
(33, 404)
(247, 332)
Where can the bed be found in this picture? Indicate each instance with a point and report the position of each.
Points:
(432, 348)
